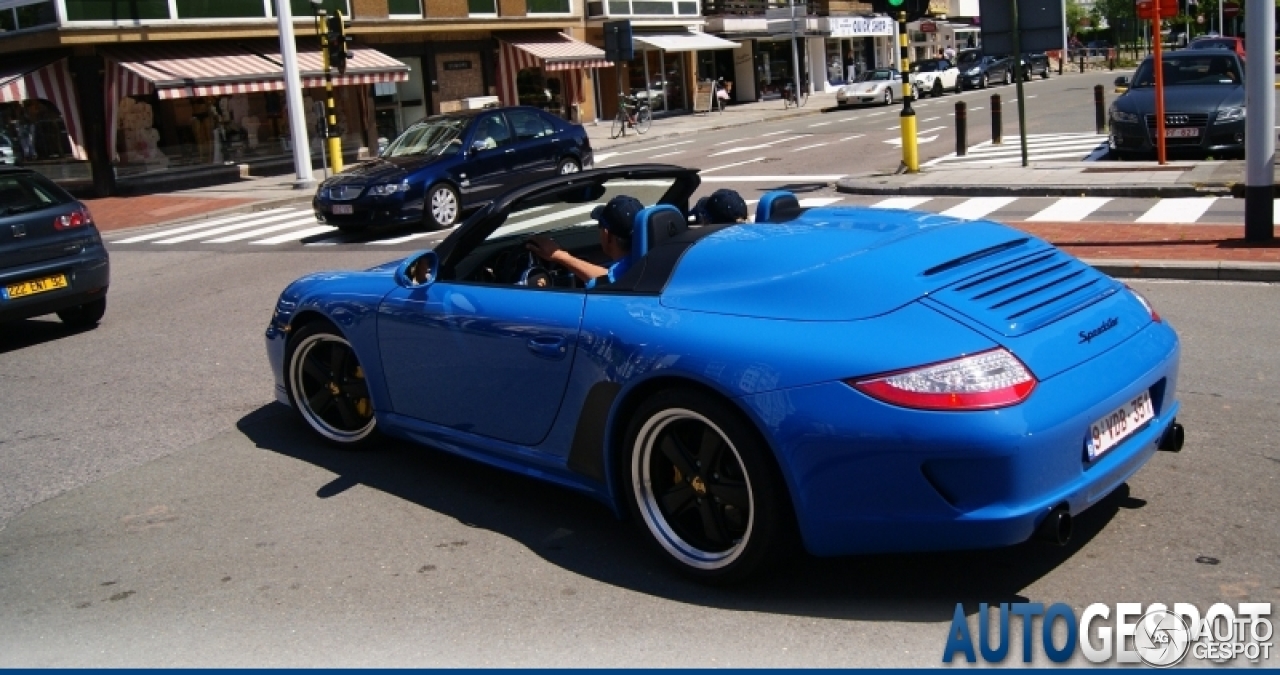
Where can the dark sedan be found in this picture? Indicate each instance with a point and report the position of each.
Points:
(979, 71)
(445, 165)
(1204, 103)
(51, 256)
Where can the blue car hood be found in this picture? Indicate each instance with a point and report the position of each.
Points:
(380, 170)
(830, 264)
(1183, 99)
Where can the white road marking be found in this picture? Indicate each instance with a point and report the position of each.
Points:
(978, 207)
(600, 157)
(919, 139)
(850, 138)
(726, 166)
(223, 230)
(822, 124)
(1177, 210)
(769, 179)
(758, 146)
(977, 107)
(1069, 210)
(293, 224)
(900, 202)
(666, 154)
(774, 133)
(209, 224)
(930, 119)
(295, 236)
(807, 147)
(400, 240)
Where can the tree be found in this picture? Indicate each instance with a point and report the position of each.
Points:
(1076, 14)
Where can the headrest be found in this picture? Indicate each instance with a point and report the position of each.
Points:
(778, 206)
(654, 225)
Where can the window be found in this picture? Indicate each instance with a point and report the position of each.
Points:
(404, 7)
(548, 6)
(482, 6)
(219, 9)
(301, 8)
(116, 10)
(529, 125)
(492, 132)
(37, 14)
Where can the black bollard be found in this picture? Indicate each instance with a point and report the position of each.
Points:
(962, 123)
(1099, 111)
(1082, 60)
(997, 121)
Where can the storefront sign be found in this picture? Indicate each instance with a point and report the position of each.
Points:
(860, 25)
(457, 65)
(928, 27)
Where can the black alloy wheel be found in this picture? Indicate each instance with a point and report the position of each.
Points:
(327, 386)
(704, 487)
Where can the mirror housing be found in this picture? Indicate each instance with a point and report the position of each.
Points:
(419, 269)
(1122, 81)
(477, 146)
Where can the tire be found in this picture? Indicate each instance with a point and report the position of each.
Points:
(986, 81)
(617, 128)
(644, 120)
(84, 316)
(568, 165)
(1008, 77)
(959, 86)
(326, 386)
(888, 96)
(442, 207)
(720, 513)
(937, 89)
(1044, 74)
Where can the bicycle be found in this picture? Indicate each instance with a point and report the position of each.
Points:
(633, 113)
(790, 97)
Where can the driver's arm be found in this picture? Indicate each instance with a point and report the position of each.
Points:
(551, 252)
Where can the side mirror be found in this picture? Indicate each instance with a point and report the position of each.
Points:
(477, 146)
(1122, 81)
(419, 269)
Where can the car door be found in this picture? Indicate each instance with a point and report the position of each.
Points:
(536, 148)
(492, 360)
(487, 171)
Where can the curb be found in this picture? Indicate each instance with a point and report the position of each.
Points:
(1188, 270)
(868, 186)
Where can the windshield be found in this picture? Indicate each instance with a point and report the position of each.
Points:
(1213, 44)
(432, 136)
(877, 75)
(931, 66)
(1202, 70)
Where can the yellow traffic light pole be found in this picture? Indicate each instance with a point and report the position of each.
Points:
(334, 140)
(910, 153)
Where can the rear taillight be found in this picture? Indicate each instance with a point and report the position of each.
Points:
(1155, 316)
(993, 379)
(78, 218)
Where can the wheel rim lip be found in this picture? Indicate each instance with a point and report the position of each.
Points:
(443, 205)
(568, 168)
(655, 519)
(301, 400)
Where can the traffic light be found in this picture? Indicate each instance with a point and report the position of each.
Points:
(336, 34)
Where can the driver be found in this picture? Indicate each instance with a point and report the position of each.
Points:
(615, 219)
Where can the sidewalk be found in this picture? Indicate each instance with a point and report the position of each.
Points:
(1121, 249)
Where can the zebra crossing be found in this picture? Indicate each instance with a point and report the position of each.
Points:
(1040, 147)
(297, 227)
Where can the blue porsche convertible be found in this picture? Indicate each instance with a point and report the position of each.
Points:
(843, 380)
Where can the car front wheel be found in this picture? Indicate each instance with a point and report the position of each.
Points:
(888, 97)
(986, 81)
(704, 487)
(442, 207)
(327, 385)
(568, 165)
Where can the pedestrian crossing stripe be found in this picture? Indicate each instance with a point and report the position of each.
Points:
(1040, 147)
(283, 226)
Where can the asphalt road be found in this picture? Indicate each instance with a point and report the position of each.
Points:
(159, 509)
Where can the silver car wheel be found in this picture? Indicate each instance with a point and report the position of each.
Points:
(444, 205)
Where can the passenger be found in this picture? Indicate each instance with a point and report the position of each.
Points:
(615, 220)
(722, 207)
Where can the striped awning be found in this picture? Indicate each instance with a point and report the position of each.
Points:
(549, 51)
(46, 78)
(220, 68)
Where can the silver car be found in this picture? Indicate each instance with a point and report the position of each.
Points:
(881, 85)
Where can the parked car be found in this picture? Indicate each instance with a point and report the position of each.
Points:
(845, 380)
(446, 165)
(51, 256)
(1035, 64)
(8, 154)
(979, 71)
(931, 77)
(1234, 44)
(1204, 103)
(881, 85)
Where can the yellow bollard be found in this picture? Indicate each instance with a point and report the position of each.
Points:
(910, 152)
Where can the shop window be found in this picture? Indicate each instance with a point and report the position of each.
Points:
(548, 6)
(39, 14)
(301, 8)
(687, 8)
(219, 9)
(34, 130)
(534, 89)
(404, 7)
(650, 7)
(116, 10)
(8, 22)
(617, 7)
(482, 6)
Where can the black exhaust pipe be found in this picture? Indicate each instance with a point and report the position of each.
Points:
(1173, 437)
(1056, 528)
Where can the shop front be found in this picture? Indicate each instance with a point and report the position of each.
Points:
(40, 119)
(666, 66)
(547, 70)
(218, 103)
(854, 45)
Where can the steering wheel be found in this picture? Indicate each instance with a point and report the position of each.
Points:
(534, 274)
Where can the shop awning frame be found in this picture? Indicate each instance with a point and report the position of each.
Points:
(684, 42)
(550, 51)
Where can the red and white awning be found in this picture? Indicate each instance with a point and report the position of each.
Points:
(550, 51)
(46, 78)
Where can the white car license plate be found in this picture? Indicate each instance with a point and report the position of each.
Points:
(342, 210)
(1182, 132)
(1118, 425)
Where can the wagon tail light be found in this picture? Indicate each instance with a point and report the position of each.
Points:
(69, 221)
(992, 379)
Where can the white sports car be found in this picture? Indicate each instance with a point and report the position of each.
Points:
(881, 85)
(931, 77)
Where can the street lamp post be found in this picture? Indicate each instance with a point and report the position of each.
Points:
(293, 98)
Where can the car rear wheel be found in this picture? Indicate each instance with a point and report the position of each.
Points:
(937, 89)
(986, 81)
(442, 207)
(1007, 77)
(705, 489)
(888, 97)
(84, 316)
(327, 386)
(568, 165)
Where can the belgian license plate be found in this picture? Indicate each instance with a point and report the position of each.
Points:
(1119, 424)
(342, 210)
(34, 286)
(1182, 132)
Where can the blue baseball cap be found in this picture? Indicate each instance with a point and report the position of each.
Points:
(618, 215)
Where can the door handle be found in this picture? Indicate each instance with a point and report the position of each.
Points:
(548, 346)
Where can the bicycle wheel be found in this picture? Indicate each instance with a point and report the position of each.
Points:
(619, 125)
(644, 118)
